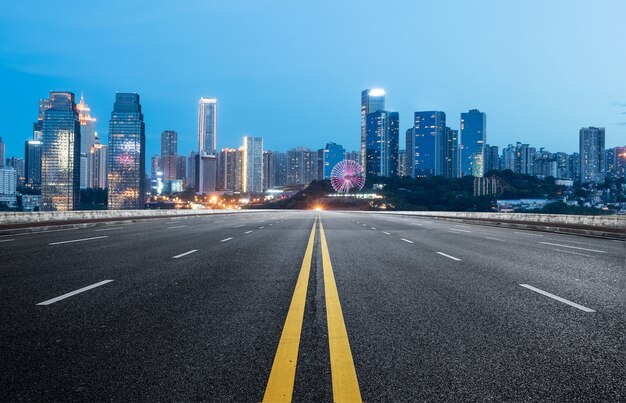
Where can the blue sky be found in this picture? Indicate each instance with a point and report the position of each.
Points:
(292, 71)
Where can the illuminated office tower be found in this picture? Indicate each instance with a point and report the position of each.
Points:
(97, 166)
(372, 100)
(333, 154)
(301, 166)
(127, 154)
(44, 104)
(451, 154)
(592, 154)
(206, 173)
(32, 154)
(252, 181)
(382, 137)
(88, 136)
(473, 138)
(169, 154)
(425, 144)
(207, 125)
(191, 170)
(60, 154)
(229, 160)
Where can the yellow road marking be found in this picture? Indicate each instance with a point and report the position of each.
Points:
(344, 380)
(282, 376)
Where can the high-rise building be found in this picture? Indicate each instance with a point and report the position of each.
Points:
(127, 154)
(353, 156)
(60, 154)
(181, 168)
(372, 100)
(402, 166)
(301, 166)
(562, 166)
(618, 162)
(88, 137)
(574, 166)
(8, 185)
(332, 155)
(270, 169)
(32, 152)
(207, 173)
(451, 154)
(473, 138)
(592, 154)
(169, 154)
(191, 170)
(426, 144)
(229, 165)
(281, 168)
(2, 152)
(97, 166)
(492, 158)
(17, 163)
(252, 164)
(207, 125)
(44, 104)
(382, 137)
(155, 166)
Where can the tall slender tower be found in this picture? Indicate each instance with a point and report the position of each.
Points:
(127, 153)
(372, 100)
(207, 125)
(252, 164)
(169, 154)
(592, 154)
(60, 154)
(473, 139)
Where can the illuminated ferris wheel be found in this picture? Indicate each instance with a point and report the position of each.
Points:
(346, 175)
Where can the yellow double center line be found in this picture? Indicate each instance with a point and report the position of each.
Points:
(282, 377)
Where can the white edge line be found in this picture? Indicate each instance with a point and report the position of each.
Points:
(6, 240)
(69, 294)
(185, 254)
(227, 239)
(406, 240)
(78, 240)
(449, 256)
(386, 233)
(563, 300)
(494, 239)
(572, 247)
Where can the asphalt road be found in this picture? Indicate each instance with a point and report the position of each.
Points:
(239, 307)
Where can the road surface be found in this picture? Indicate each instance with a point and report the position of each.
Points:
(240, 308)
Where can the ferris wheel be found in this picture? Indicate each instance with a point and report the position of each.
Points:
(346, 175)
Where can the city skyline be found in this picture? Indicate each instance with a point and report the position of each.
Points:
(563, 99)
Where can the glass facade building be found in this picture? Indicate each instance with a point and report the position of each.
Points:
(32, 152)
(372, 100)
(207, 125)
(426, 144)
(126, 154)
(382, 137)
(60, 154)
(333, 154)
(473, 138)
(252, 164)
(451, 156)
(592, 154)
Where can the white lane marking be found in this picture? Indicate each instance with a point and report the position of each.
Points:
(40, 232)
(563, 300)
(69, 294)
(108, 229)
(261, 227)
(247, 232)
(572, 247)
(271, 224)
(372, 228)
(216, 221)
(365, 225)
(6, 240)
(414, 223)
(227, 239)
(386, 233)
(494, 239)
(526, 233)
(449, 256)
(358, 222)
(572, 253)
(185, 254)
(459, 230)
(78, 240)
(176, 226)
(406, 240)
(238, 226)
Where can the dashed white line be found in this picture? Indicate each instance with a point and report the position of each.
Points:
(406, 240)
(573, 247)
(459, 230)
(108, 229)
(372, 228)
(69, 294)
(6, 240)
(185, 254)
(271, 224)
(386, 233)
(40, 232)
(449, 256)
(227, 239)
(494, 239)
(526, 233)
(78, 240)
(238, 226)
(571, 252)
(261, 227)
(176, 226)
(365, 225)
(563, 300)
(247, 232)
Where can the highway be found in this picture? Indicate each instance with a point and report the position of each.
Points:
(310, 306)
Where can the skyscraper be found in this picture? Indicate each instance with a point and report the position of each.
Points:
(426, 144)
(591, 154)
(17, 163)
(2, 152)
(127, 153)
(97, 166)
(207, 173)
(87, 139)
(382, 136)
(301, 166)
(44, 104)
(270, 169)
(32, 154)
(169, 154)
(473, 138)
(372, 100)
(451, 154)
(252, 164)
(60, 154)
(333, 154)
(155, 166)
(492, 158)
(229, 162)
(207, 125)
(191, 170)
